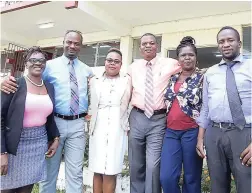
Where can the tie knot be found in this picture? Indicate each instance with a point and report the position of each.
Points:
(71, 62)
(149, 64)
(230, 64)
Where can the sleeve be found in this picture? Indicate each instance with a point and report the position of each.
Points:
(129, 70)
(203, 120)
(90, 72)
(5, 103)
(173, 65)
(46, 72)
(51, 124)
(90, 82)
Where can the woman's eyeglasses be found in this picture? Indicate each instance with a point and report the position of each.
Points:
(110, 61)
(37, 60)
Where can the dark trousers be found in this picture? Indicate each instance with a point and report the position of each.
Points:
(223, 148)
(179, 148)
(145, 143)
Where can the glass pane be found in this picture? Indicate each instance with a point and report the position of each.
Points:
(87, 54)
(206, 56)
(246, 34)
(103, 50)
(136, 45)
(59, 52)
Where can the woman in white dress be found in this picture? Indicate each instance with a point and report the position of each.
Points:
(110, 96)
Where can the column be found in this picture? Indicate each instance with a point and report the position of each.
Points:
(126, 47)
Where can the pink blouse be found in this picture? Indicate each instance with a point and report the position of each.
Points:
(37, 109)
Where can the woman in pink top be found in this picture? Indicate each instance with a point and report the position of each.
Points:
(27, 125)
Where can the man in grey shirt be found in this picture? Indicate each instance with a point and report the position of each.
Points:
(226, 116)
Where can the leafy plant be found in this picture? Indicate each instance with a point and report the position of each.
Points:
(36, 189)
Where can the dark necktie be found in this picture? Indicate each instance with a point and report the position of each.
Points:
(234, 98)
(74, 104)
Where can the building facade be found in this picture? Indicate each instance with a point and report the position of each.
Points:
(120, 24)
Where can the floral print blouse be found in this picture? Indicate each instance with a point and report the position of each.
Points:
(189, 95)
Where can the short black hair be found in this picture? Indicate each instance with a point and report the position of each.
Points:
(230, 28)
(32, 50)
(115, 50)
(149, 34)
(187, 41)
(75, 31)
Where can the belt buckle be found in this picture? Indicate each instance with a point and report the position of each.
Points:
(76, 117)
(230, 125)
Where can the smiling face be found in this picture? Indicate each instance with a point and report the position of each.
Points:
(228, 44)
(72, 44)
(148, 47)
(187, 58)
(113, 64)
(36, 64)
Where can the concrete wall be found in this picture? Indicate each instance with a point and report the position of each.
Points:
(203, 29)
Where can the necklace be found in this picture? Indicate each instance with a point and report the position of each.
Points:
(38, 85)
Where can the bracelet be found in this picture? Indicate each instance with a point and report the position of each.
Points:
(4, 153)
(56, 138)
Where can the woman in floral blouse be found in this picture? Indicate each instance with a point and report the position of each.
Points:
(183, 98)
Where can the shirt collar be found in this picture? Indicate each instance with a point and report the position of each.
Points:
(103, 76)
(194, 74)
(237, 59)
(153, 61)
(66, 60)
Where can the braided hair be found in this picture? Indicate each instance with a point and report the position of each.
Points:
(187, 41)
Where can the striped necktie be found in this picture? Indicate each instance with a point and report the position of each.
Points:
(74, 103)
(148, 99)
(234, 98)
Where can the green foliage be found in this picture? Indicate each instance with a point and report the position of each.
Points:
(205, 182)
(85, 163)
(36, 189)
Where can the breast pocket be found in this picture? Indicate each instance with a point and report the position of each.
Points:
(243, 82)
(217, 81)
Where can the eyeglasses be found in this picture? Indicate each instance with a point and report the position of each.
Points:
(110, 61)
(37, 60)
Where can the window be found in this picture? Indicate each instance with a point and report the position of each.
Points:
(246, 36)
(206, 56)
(94, 55)
(136, 45)
(103, 49)
(87, 54)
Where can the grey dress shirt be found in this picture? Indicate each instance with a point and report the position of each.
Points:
(215, 105)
